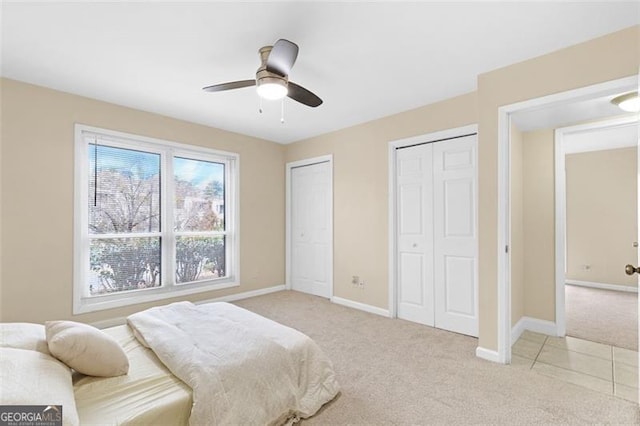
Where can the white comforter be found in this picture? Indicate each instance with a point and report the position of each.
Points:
(242, 368)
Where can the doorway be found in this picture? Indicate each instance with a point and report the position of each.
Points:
(596, 182)
(562, 109)
(309, 211)
(542, 345)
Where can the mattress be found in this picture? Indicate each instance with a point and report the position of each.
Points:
(148, 395)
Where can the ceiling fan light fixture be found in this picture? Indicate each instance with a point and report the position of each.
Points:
(629, 102)
(272, 88)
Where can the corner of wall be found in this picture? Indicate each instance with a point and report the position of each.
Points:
(534, 325)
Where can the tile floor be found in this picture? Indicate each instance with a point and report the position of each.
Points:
(596, 366)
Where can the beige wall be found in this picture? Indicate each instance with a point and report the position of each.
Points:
(539, 224)
(361, 203)
(517, 226)
(37, 197)
(606, 58)
(601, 215)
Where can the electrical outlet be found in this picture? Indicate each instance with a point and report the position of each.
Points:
(361, 285)
(586, 267)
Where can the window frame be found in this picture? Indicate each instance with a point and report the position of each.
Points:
(82, 301)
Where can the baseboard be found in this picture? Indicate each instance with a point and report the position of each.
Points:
(533, 324)
(517, 330)
(603, 286)
(488, 354)
(361, 306)
(112, 322)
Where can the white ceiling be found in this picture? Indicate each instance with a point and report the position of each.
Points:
(365, 60)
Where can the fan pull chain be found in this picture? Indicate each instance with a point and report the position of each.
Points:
(260, 108)
(282, 112)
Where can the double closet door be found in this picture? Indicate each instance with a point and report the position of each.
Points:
(436, 235)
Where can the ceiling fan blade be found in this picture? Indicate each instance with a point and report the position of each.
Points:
(228, 86)
(282, 57)
(302, 95)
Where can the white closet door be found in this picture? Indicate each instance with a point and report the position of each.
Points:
(436, 235)
(455, 235)
(415, 234)
(310, 229)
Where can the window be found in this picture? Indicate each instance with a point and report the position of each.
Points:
(153, 219)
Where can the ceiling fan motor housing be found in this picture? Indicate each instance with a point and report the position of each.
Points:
(266, 77)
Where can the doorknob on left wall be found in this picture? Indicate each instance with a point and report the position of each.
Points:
(630, 270)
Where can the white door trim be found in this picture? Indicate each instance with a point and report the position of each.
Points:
(393, 145)
(504, 183)
(561, 204)
(288, 168)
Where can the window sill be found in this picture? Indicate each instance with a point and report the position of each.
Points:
(111, 301)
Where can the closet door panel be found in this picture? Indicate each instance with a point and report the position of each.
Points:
(455, 235)
(414, 230)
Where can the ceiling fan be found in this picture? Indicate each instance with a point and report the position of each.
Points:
(272, 77)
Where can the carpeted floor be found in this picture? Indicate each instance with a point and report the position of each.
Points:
(397, 372)
(602, 316)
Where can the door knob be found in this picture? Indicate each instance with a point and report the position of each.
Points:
(630, 270)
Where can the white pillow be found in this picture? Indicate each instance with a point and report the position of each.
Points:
(33, 378)
(86, 349)
(23, 335)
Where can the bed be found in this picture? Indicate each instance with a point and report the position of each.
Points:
(187, 364)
